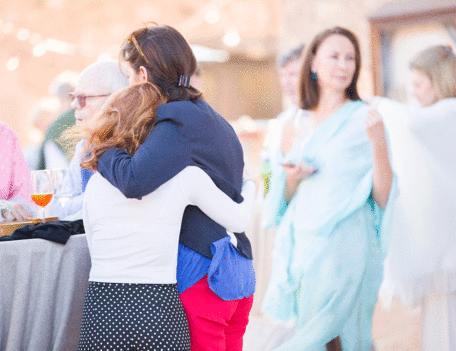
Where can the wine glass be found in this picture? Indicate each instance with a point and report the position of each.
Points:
(42, 189)
(62, 193)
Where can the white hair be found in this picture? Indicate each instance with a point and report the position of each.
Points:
(106, 74)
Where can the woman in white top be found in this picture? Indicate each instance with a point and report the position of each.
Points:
(132, 302)
(420, 266)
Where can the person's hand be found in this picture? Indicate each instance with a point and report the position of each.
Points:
(16, 212)
(372, 100)
(367, 98)
(297, 172)
(375, 129)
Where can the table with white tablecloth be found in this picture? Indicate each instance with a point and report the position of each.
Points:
(42, 287)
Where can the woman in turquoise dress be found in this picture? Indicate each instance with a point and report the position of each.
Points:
(327, 198)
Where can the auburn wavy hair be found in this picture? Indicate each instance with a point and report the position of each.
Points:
(124, 122)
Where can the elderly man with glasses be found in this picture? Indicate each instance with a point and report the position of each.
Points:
(94, 85)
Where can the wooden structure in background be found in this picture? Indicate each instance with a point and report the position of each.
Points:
(388, 18)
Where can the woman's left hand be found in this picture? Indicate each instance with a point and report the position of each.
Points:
(375, 129)
(295, 173)
(298, 172)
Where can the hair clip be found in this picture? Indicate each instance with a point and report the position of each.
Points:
(184, 81)
(138, 48)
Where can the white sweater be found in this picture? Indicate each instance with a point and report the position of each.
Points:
(421, 259)
(136, 241)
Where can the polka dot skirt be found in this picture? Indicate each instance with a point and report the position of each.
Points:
(132, 317)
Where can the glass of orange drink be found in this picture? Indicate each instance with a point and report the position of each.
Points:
(42, 189)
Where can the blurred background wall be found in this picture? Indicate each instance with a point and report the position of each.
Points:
(41, 38)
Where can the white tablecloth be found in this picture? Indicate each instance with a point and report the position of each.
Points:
(42, 287)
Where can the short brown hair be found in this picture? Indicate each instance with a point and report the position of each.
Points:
(166, 55)
(124, 122)
(439, 64)
(309, 92)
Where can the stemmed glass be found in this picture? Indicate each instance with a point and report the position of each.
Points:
(42, 189)
(62, 193)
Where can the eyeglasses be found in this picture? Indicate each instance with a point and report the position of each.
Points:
(82, 99)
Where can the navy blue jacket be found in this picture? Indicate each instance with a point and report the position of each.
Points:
(186, 133)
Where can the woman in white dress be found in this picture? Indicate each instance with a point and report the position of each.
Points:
(420, 266)
(132, 302)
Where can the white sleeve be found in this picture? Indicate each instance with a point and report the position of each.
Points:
(54, 158)
(86, 221)
(72, 184)
(72, 207)
(200, 190)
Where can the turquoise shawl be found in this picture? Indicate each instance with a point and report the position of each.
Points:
(327, 258)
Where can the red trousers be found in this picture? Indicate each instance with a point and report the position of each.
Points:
(215, 324)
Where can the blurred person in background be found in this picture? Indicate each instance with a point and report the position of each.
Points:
(326, 199)
(289, 65)
(93, 87)
(43, 113)
(420, 267)
(15, 200)
(53, 152)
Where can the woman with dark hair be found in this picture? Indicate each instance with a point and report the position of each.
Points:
(325, 199)
(215, 276)
(170, 68)
(132, 302)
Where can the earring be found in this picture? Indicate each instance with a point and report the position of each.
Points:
(314, 75)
